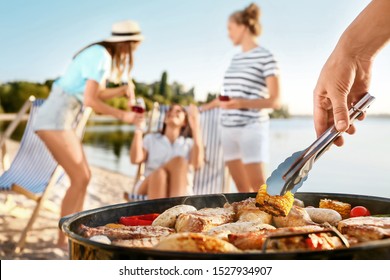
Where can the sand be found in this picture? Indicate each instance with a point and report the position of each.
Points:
(106, 188)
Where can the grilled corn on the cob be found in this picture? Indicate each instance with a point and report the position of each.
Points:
(343, 208)
(276, 205)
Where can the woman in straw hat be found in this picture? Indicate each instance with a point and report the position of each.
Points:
(250, 87)
(83, 83)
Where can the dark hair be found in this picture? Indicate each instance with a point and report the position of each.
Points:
(186, 129)
(250, 17)
(121, 54)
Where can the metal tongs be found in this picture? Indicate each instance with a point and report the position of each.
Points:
(290, 175)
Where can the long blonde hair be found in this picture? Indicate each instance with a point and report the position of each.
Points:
(250, 17)
(121, 54)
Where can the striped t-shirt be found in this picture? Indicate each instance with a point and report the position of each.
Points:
(245, 78)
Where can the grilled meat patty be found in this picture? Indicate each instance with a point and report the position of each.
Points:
(204, 219)
(366, 228)
(146, 242)
(255, 240)
(126, 232)
(169, 216)
(223, 231)
(195, 242)
(247, 211)
(296, 218)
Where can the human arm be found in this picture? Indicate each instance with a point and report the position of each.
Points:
(210, 105)
(91, 99)
(109, 93)
(346, 75)
(272, 102)
(138, 153)
(197, 151)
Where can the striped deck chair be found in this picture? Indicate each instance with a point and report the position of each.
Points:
(33, 172)
(213, 177)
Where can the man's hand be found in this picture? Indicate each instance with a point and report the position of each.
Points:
(343, 81)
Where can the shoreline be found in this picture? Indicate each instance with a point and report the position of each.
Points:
(105, 188)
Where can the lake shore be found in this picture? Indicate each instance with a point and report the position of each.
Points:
(106, 188)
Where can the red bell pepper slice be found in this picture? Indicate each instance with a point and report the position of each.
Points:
(139, 220)
(149, 217)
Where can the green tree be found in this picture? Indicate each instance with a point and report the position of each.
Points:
(282, 113)
(14, 94)
(49, 83)
(211, 97)
(165, 90)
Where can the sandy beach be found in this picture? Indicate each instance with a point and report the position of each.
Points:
(106, 188)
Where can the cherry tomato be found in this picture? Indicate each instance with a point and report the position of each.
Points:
(359, 211)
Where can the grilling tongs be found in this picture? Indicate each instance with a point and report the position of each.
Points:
(290, 175)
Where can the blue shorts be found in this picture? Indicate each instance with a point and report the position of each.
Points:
(58, 112)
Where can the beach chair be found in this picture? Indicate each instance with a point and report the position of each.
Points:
(33, 172)
(213, 177)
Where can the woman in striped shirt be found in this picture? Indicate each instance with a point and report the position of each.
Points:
(250, 85)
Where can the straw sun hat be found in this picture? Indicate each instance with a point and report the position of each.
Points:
(126, 30)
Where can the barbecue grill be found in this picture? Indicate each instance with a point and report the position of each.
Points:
(83, 248)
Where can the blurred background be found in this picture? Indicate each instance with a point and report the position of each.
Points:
(183, 59)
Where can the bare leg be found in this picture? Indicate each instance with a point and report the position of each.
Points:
(239, 175)
(157, 185)
(168, 181)
(143, 189)
(67, 150)
(177, 169)
(256, 174)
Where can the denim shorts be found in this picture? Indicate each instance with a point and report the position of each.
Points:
(58, 112)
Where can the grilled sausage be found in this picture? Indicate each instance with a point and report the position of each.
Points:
(322, 215)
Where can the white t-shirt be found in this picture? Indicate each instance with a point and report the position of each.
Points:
(161, 150)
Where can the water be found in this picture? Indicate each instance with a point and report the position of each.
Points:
(361, 166)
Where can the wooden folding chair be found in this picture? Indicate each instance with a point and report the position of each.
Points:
(33, 172)
(213, 177)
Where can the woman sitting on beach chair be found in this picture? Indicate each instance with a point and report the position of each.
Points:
(170, 156)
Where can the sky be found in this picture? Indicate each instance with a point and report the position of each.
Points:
(186, 38)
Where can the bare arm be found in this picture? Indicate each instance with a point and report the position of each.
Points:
(346, 75)
(272, 102)
(137, 152)
(210, 105)
(370, 31)
(109, 93)
(197, 152)
(91, 99)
